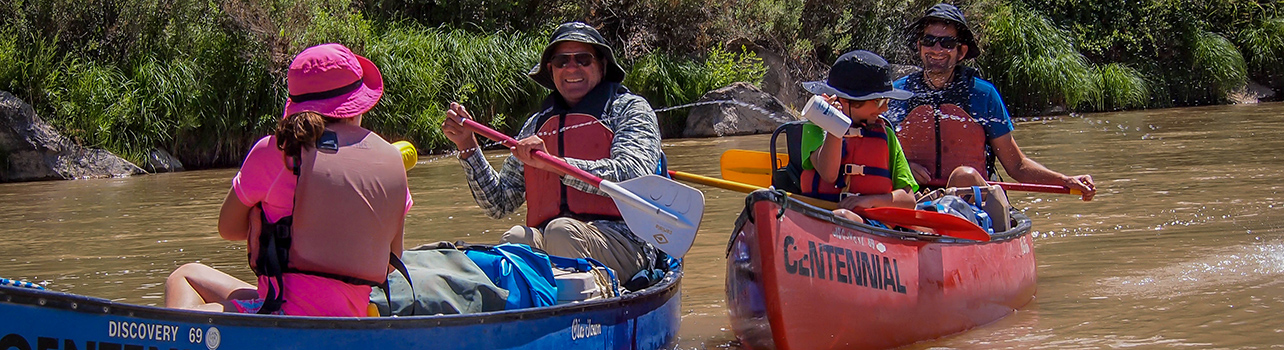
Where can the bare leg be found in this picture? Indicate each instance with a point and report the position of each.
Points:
(200, 287)
(965, 176)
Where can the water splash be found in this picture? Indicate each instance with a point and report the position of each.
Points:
(484, 144)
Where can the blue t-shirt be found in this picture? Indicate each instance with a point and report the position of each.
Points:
(985, 105)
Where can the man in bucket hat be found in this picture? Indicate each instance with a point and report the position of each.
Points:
(593, 123)
(864, 167)
(956, 124)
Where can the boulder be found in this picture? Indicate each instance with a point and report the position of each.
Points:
(738, 109)
(31, 150)
(784, 75)
(159, 161)
(1251, 92)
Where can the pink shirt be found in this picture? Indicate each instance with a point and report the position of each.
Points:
(265, 178)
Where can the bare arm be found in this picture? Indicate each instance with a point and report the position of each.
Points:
(828, 158)
(234, 218)
(1024, 169)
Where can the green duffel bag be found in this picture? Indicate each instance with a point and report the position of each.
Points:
(445, 280)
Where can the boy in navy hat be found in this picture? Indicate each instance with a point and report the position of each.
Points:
(864, 168)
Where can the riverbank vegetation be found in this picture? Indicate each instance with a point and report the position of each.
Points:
(203, 79)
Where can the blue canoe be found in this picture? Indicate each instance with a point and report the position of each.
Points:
(40, 319)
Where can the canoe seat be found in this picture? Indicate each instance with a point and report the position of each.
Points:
(788, 178)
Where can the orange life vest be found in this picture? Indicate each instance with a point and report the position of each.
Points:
(349, 206)
(943, 141)
(864, 170)
(546, 197)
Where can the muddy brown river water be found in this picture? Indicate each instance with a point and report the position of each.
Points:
(1182, 248)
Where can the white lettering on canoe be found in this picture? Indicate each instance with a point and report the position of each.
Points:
(143, 331)
(584, 330)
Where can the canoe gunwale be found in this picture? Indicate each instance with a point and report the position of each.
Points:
(658, 294)
(1023, 226)
(764, 298)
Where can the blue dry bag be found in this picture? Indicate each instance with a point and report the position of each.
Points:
(525, 273)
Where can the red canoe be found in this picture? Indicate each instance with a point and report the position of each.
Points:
(799, 278)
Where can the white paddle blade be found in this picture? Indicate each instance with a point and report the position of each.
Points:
(660, 211)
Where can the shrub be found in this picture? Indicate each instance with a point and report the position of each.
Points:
(670, 81)
(426, 69)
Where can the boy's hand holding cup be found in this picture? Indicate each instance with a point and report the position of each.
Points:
(821, 111)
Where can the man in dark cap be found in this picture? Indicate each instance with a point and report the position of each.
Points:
(956, 125)
(593, 123)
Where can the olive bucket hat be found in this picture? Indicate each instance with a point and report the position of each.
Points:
(578, 32)
(949, 14)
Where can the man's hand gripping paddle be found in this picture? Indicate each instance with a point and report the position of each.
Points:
(660, 211)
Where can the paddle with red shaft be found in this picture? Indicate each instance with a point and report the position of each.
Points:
(754, 167)
(658, 210)
(1015, 186)
(940, 223)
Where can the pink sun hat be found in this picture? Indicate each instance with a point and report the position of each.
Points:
(332, 81)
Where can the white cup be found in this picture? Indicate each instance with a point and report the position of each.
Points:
(824, 115)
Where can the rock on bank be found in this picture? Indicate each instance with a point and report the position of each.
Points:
(31, 150)
(738, 109)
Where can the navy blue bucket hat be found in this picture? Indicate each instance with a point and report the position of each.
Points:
(858, 75)
(949, 14)
(577, 32)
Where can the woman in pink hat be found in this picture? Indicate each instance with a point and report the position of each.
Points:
(322, 202)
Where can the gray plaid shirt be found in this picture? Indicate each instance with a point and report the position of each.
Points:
(635, 151)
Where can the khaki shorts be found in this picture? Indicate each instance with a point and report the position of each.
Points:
(572, 238)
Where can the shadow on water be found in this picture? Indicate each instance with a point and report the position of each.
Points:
(1181, 248)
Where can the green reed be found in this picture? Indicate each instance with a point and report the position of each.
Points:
(1033, 62)
(427, 68)
(1263, 43)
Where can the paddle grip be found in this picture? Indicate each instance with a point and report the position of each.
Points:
(496, 136)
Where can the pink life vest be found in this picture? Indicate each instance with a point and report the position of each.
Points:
(349, 207)
(943, 141)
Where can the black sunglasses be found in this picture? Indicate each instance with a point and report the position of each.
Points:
(584, 59)
(947, 42)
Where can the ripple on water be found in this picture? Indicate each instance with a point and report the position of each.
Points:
(1245, 266)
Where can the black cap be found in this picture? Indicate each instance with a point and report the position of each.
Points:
(949, 14)
(577, 32)
(858, 75)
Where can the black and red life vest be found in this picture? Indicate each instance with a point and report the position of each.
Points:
(572, 132)
(865, 167)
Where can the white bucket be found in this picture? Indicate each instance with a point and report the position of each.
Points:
(826, 116)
